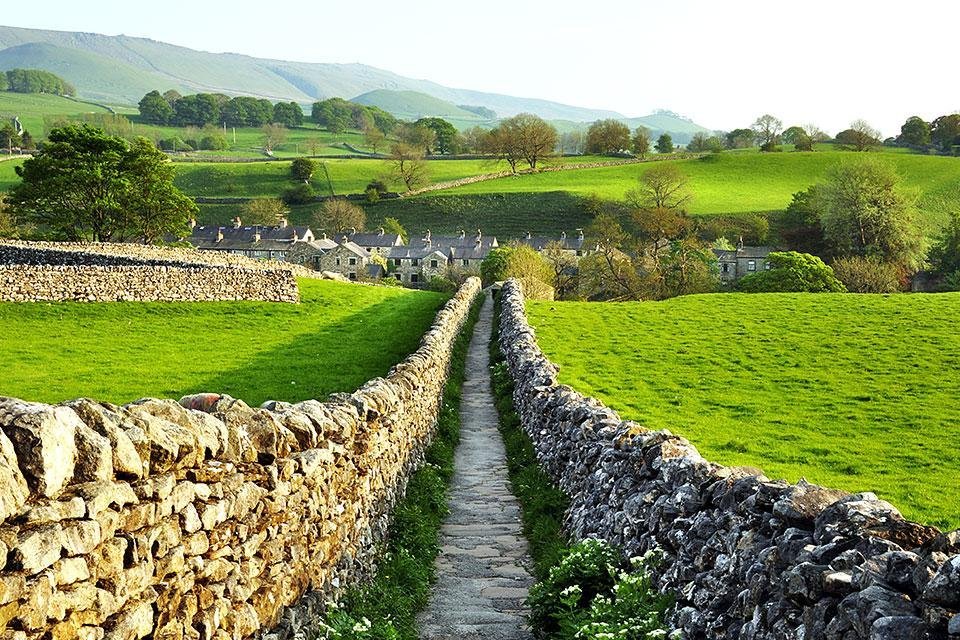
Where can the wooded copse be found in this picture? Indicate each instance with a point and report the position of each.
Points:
(35, 81)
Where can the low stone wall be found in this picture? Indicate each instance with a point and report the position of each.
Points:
(53, 283)
(114, 253)
(205, 518)
(745, 556)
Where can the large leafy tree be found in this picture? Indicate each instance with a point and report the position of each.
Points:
(445, 134)
(915, 132)
(152, 205)
(945, 131)
(608, 136)
(85, 184)
(534, 138)
(288, 114)
(867, 213)
(155, 109)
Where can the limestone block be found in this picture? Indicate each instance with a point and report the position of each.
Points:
(109, 421)
(37, 548)
(13, 486)
(56, 510)
(70, 570)
(100, 496)
(94, 456)
(133, 623)
(43, 438)
(80, 537)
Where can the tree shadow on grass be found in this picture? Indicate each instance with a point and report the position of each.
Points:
(335, 358)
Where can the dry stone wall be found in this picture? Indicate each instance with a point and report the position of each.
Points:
(205, 518)
(745, 556)
(56, 272)
(33, 283)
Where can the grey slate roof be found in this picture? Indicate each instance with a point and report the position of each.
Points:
(371, 239)
(271, 238)
(539, 243)
(743, 253)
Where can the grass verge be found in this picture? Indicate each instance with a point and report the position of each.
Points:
(386, 608)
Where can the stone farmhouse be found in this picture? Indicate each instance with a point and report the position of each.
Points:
(377, 243)
(735, 264)
(575, 246)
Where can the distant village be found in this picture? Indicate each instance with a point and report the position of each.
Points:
(375, 255)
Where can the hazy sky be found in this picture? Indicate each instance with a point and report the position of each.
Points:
(719, 63)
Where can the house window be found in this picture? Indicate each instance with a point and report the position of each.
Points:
(338, 262)
(726, 268)
(579, 253)
(414, 277)
(398, 276)
(353, 262)
(433, 264)
(415, 262)
(353, 275)
(368, 249)
(397, 261)
(766, 266)
(466, 263)
(751, 265)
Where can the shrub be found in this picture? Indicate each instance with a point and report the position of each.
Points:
(373, 196)
(593, 593)
(377, 185)
(867, 275)
(792, 272)
(216, 142)
(300, 194)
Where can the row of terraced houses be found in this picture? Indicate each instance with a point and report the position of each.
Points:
(378, 254)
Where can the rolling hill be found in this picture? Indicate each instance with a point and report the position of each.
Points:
(411, 105)
(120, 69)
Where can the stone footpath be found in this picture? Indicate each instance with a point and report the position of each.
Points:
(482, 568)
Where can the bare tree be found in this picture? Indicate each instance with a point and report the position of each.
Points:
(767, 129)
(500, 144)
(662, 187)
(564, 268)
(339, 214)
(535, 138)
(264, 211)
(863, 135)
(273, 135)
(374, 138)
(409, 166)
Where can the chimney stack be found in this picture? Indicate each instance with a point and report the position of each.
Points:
(529, 236)
(740, 243)
(283, 222)
(463, 234)
(193, 223)
(256, 234)
(219, 234)
(580, 233)
(381, 231)
(237, 222)
(563, 236)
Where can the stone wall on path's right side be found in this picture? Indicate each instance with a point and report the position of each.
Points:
(745, 557)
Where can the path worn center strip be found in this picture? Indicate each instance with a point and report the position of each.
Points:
(482, 576)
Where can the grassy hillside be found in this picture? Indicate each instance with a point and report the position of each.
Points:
(746, 182)
(253, 351)
(503, 215)
(31, 108)
(412, 105)
(8, 176)
(851, 391)
(271, 178)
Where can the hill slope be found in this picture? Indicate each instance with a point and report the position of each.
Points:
(411, 105)
(138, 63)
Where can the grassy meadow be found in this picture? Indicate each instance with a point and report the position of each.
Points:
(857, 392)
(746, 182)
(339, 336)
(31, 108)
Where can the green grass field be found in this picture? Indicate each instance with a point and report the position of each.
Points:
(32, 107)
(746, 182)
(269, 179)
(857, 392)
(340, 336)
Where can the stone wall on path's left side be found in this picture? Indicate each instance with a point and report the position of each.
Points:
(206, 518)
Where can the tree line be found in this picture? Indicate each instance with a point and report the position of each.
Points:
(35, 81)
(204, 109)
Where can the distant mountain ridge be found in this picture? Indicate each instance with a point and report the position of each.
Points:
(121, 69)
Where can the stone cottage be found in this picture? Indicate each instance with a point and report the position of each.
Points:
(253, 241)
(347, 258)
(736, 263)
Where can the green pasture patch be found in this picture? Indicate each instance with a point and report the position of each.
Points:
(857, 392)
(338, 337)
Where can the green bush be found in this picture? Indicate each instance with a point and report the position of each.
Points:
(300, 194)
(592, 594)
(215, 142)
(792, 272)
(867, 275)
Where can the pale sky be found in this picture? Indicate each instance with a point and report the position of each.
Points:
(720, 63)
